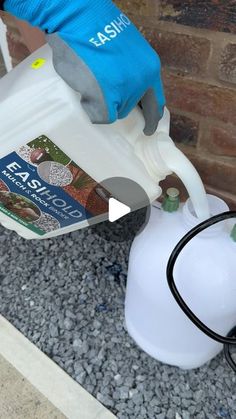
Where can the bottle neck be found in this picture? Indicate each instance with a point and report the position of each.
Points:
(216, 206)
(148, 151)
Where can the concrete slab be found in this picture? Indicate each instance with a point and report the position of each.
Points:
(19, 399)
(34, 387)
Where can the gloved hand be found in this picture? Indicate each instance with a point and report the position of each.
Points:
(101, 54)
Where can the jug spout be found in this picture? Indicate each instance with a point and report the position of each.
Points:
(161, 158)
(178, 163)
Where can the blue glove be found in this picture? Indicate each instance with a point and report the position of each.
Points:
(101, 54)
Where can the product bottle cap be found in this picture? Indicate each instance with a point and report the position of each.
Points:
(171, 201)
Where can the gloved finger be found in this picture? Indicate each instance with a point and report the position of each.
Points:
(152, 103)
(74, 71)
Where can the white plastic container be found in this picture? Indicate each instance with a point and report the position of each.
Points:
(204, 276)
(40, 113)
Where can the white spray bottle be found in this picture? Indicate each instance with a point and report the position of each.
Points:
(204, 276)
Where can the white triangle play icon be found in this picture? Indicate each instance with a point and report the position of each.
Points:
(117, 210)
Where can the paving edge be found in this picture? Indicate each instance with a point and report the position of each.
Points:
(47, 377)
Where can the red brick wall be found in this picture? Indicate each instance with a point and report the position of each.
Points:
(196, 41)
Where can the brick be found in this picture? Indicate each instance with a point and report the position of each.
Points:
(184, 130)
(227, 65)
(10, 22)
(200, 98)
(32, 37)
(208, 14)
(170, 47)
(18, 51)
(218, 173)
(227, 197)
(137, 7)
(6, 18)
(220, 140)
(22, 38)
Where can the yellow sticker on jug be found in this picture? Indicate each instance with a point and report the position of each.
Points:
(38, 63)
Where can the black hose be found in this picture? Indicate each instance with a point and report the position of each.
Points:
(230, 339)
(227, 352)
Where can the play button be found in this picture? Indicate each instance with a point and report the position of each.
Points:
(126, 209)
(117, 210)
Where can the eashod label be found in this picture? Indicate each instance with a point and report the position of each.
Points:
(111, 31)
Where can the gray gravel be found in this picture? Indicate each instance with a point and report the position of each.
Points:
(67, 296)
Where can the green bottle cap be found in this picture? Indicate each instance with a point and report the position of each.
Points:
(171, 201)
(233, 233)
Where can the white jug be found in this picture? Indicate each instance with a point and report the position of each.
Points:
(52, 157)
(204, 276)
